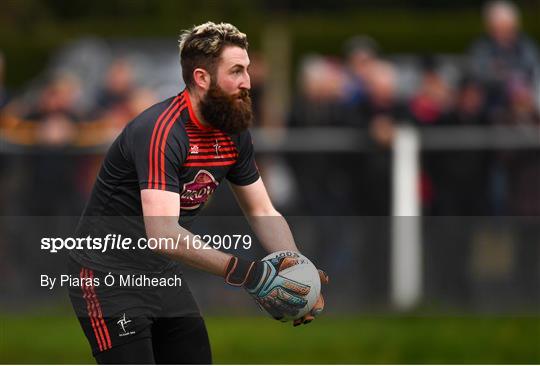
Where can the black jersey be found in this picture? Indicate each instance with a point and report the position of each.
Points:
(164, 148)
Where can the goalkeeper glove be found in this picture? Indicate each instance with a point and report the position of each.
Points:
(278, 295)
(319, 305)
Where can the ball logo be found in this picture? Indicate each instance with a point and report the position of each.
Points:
(197, 191)
(296, 258)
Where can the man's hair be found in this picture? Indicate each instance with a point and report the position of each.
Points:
(202, 45)
(500, 4)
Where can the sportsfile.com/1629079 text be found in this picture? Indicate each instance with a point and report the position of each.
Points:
(119, 242)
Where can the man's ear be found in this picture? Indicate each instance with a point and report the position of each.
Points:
(202, 78)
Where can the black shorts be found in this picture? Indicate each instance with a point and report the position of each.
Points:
(113, 316)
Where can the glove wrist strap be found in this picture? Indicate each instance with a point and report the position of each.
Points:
(241, 272)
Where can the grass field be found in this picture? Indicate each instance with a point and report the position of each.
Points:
(380, 339)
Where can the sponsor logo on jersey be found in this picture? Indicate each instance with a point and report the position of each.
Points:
(197, 191)
(194, 149)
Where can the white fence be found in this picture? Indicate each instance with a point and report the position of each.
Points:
(406, 256)
(406, 249)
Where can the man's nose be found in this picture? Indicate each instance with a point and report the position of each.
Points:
(245, 83)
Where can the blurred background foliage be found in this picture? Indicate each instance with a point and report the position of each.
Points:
(31, 30)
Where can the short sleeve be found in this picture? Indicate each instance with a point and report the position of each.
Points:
(158, 154)
(245, 171)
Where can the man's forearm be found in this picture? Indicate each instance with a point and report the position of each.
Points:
(273, 232)
(208, 260)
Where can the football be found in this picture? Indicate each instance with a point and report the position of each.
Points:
(303, 272)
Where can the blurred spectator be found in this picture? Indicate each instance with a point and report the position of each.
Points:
(458, 179)
(432, 103)
(379, 113)
(360, 55)
(118, 84)
(139, 100)
(117, 102)
(518, 172)
(504, 53)
(470, 104)
(258, 72)
(48, 188)
(56, 110)
(508, 63)
(382, 109)
(320, 101)
(120, 99)
(521, 109)
(325, 187)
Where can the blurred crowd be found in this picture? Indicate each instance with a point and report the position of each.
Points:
(496, 83)
(57, 118)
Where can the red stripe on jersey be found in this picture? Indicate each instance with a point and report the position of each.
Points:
(208, 135)
(222, 163)
(157, 148)
(152, 141)
(201, 157)
(164, 144)
(200, 139)
(193, 128)
(99, 313)
(190, 126)
(196, 130)
(229, 148)
(192, 115)
(212, 144)
(208, 138)
(90, 310)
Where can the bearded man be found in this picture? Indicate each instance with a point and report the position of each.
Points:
(155, 179)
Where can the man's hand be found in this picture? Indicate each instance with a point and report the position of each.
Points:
(319, 305)
(278, 295)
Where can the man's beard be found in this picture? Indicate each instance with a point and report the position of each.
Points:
(228, 113)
